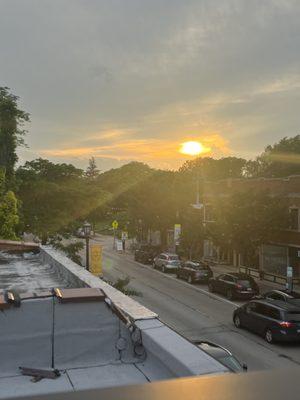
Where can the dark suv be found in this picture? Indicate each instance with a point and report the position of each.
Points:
(146, 253)
(274, 320)
(234, 285)
(194, 272)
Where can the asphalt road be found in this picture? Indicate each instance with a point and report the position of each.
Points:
(195, 313)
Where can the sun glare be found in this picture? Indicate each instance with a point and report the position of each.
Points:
(191, 148)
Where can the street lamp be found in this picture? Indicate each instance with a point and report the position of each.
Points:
(87, 231)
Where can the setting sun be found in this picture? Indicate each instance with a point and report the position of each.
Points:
(191, 148)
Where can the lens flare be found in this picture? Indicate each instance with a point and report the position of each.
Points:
(191, 148)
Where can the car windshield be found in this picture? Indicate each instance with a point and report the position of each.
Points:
(231, 363)
(173, 258)
(244, 283)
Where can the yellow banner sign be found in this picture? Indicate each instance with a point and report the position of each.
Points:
(96, 259)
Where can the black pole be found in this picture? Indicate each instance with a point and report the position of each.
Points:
(87, 262)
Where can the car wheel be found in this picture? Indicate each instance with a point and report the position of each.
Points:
(269, 336)
(229, 294)
(190, 280)
(211, 288)
(237, 321)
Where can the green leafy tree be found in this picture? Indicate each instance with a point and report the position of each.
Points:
(192, 235)
(214, 169)
(54, 196)
(246, 220)
(279, 160)
(72, 250)
(9, 218)
(11, 132)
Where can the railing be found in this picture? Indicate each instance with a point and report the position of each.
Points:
(267, 276)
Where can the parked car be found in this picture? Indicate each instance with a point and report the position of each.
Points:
(234, 285)
(146, 253)
(194, 271)
(273, 319)
(282, 295)
(222, 355)
(166, 262)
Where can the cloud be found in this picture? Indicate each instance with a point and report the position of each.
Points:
(153, 151)
(109, 76)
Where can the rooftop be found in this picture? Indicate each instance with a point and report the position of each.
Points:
(95, 336)
(27, 272)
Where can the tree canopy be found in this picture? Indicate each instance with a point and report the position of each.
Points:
(11, 132)
(279, 160)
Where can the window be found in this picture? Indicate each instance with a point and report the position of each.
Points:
(294, 219)
(245, 283)
(267, 311)
(273, 313)
(251, 307)
(275, 296)
(228, 278)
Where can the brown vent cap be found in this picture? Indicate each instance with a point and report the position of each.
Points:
(79, 295)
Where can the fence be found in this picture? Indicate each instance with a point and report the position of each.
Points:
(266, 275)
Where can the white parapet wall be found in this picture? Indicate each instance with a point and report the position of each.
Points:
(77, 276)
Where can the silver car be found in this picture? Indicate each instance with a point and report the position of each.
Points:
(166, 262)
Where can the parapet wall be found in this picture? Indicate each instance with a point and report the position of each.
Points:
(79, 277)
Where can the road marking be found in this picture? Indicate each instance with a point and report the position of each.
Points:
(180, 281)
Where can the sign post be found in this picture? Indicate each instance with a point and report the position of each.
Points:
(114, 225)
(96, 259)
(289, 279)
(177, 233)
(124, 238)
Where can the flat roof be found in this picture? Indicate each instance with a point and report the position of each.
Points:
(26, 272)
(107, 341)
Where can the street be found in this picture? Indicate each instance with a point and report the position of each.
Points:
(195, 313)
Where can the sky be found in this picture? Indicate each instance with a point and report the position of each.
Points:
(125, 80)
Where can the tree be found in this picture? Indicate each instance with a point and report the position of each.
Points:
(211, 169)
(280, 160)
(71, 250)
(191, 239)
(9, 218)
(246, 220)
(11, 132)
(54, 196)
(92, 172)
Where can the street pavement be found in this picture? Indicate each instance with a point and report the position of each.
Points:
(194, 312)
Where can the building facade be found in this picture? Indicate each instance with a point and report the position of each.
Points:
(275, 256)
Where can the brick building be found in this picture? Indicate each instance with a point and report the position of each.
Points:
(273, 257)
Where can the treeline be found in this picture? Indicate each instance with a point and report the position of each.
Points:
(45, 198)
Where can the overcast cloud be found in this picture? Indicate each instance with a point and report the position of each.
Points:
(132, 79)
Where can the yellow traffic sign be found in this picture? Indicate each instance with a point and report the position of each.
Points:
(115, 224)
